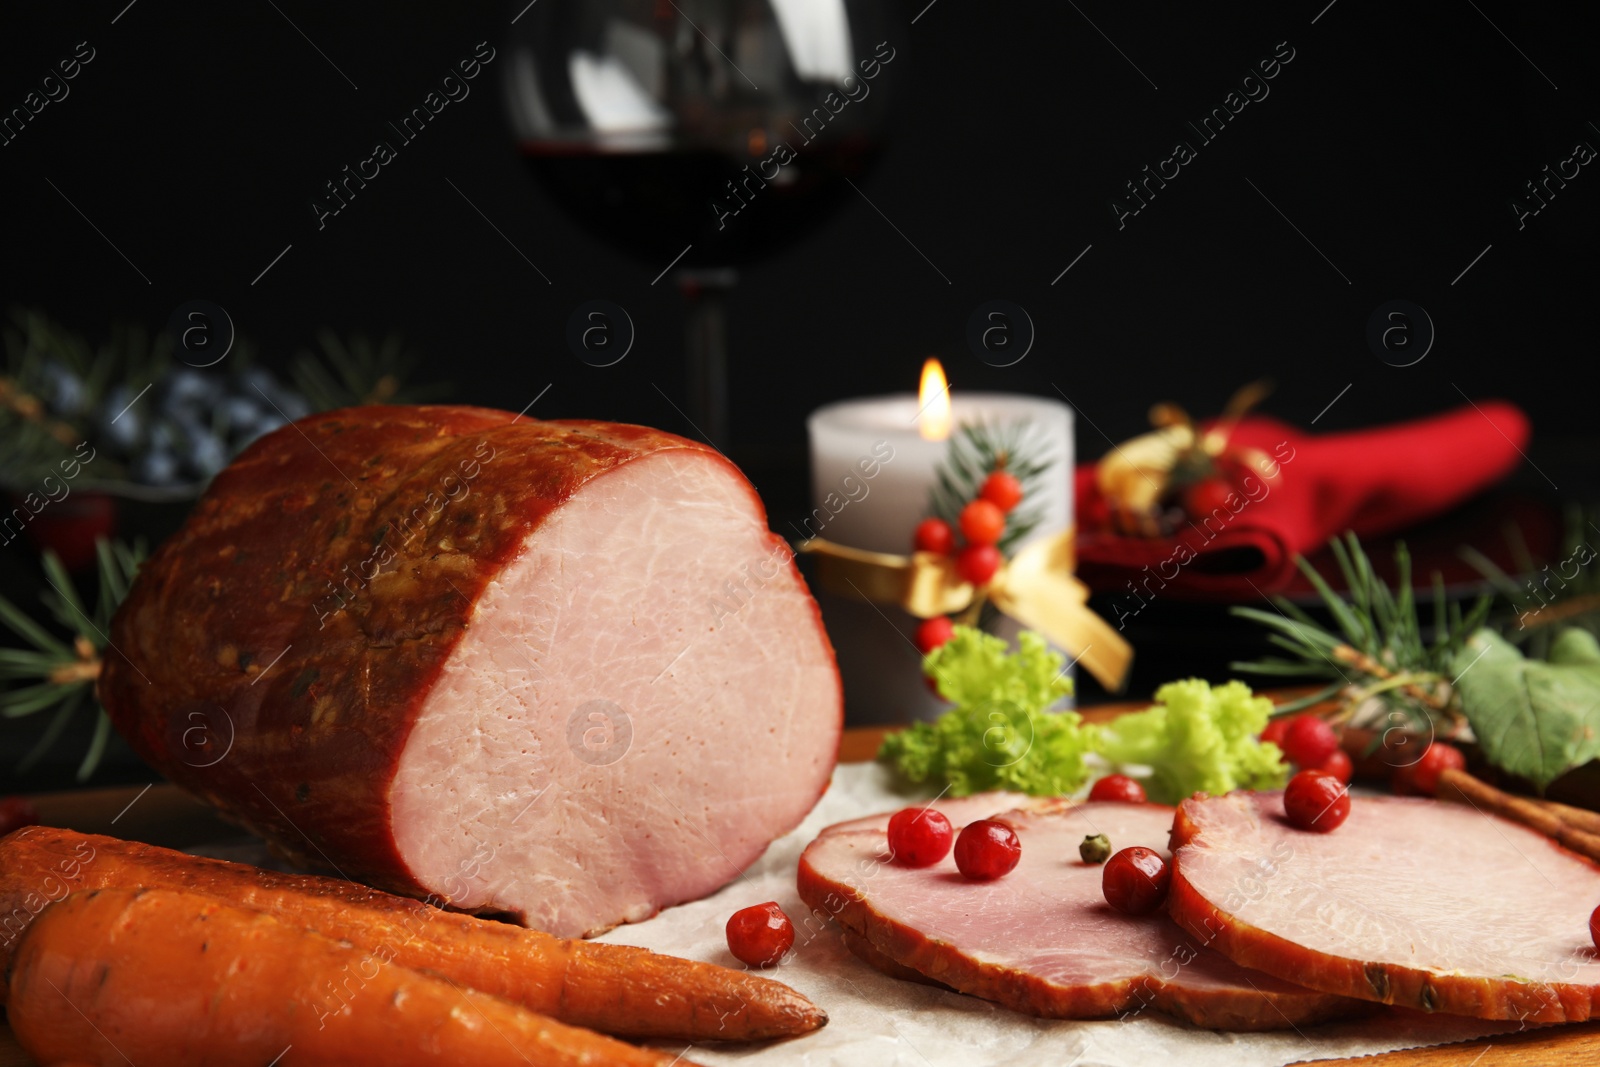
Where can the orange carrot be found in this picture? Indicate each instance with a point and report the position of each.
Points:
(156, 976)
(629, 992)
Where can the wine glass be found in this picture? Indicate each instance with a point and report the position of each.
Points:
(699, 135)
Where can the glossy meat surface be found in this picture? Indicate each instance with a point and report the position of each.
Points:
(555, 669)
(1042, 939)
(1430, 905)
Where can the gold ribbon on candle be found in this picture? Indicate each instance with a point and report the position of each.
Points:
(1137, 477)
(1036, 587)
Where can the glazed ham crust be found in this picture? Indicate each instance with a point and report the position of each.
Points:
(327, 598)
(1414, 902)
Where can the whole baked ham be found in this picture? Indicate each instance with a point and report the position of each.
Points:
(1415, 902)
(560, 670)
(1041, 939)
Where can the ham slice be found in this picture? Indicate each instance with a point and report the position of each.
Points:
(959, 810)
(1042, 939)
(560, 670)
(1414, 902)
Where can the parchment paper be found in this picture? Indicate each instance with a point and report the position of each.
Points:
(876, 1021)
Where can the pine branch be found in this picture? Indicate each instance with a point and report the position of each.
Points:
(63, 674)
(54, 382)
(977, 450)
(347, 373)
(1535, 607)
(1376, 649)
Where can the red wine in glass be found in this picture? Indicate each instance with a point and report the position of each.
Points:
(653, 205)
(701, 134)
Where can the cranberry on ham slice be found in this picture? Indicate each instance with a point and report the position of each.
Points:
(559, 670)
(1041, 939)
(1415, 902)
(959, 810)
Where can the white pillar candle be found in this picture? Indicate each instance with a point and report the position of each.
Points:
(871, 474)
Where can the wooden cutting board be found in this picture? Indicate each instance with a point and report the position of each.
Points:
(162, 815)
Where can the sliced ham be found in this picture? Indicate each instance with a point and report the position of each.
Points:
(560, 670)
(959, 810)
(1041, 939)
(864, 951)
(1414, 902)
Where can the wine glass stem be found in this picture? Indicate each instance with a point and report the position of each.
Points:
(706, 344)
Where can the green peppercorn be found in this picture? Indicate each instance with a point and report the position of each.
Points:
(1096, 848)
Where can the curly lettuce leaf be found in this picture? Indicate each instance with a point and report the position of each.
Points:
(1000, 734)
(973, 668)
(1197, 738)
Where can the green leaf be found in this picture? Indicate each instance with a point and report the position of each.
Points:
(1534, 718)
(1575, 648)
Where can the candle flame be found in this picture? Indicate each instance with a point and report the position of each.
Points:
(933, 403)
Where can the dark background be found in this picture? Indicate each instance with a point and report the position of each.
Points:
(1394, 141)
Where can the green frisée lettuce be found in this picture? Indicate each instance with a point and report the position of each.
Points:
(1197, 738)
(1002, 735)
(974, 668)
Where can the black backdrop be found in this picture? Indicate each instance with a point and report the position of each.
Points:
(1394, 141)
(1382, 166)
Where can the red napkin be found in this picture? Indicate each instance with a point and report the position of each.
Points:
(1368, 481)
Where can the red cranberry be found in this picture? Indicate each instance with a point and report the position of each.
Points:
(1135, 880)
(760, 935)
(1118, 787)
(1316, 800)
(919, 837)
(986, 850)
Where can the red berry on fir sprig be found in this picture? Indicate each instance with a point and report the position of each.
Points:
(982, 523)
(978, 564)
(935, 535)
(1002, 489)
(931, 633)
